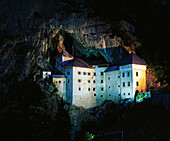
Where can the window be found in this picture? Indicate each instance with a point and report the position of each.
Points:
(79, 88)
(79, 72)
(109, 87)
(128, 93)
(123, 74)
(128, 74)
(59, 81)
(94, 81)
(137, 83)
(137, 74)
(128, 83)
(68, 81)
(88, 89)
(118, 85)
(102, 73)
(102, 89)
(56, 82)
(68, 73)
(84, 73)
(94, 89)
(109, 94)
(119, 94)
(109, 78)
(89, 73)
(101, 95)
(94, 94)
(79, 80)
(118, 76)
(123, 93)
(123, 84)
(88, 81)
(94, 74)
(101, 81)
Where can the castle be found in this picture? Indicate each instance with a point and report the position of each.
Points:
(87, 85)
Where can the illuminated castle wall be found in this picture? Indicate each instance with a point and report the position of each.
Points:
(89, 86)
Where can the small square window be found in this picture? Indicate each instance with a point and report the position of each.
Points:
(59, 81)
(118, 85)
(109, 94)
(56, 82)
(68, 73)
(119, 94)
(118, 76)
(88, 89)
(128, 93)
(101, 81)
(109, 87)
(84, 73)
(94, 89)
(79, 72)
(79, 80)
(101, 95)
(102, 73)
(94, 81)
(89, 73)
(88, 81)
(94, 94)
(94, 74)
(102, 89)
(123, 93)
(79, 89)
(109, 78)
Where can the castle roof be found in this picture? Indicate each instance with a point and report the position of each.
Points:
(112, 68)
(133, 59)
(75, 62)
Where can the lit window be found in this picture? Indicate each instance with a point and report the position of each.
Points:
(89, 73)
(123, 74)
(94, 89)
(94, 81)
(84, 73)
(88, 89)
(137, 83)
(123, 84)
(88, 81)
(137, 74)
(79, 80)
(101, 81)
(102, 89)
(128, 74)
(102, 73)
(79, 72)
(128, 83)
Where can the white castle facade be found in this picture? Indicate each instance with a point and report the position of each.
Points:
(89, 86)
